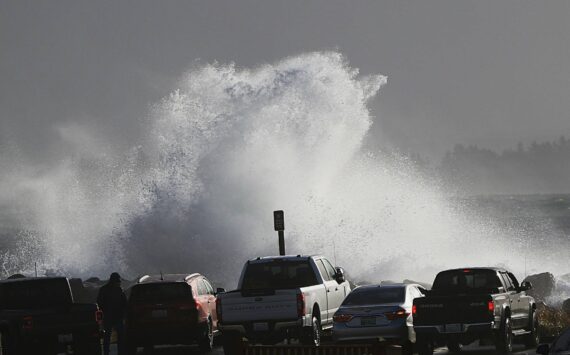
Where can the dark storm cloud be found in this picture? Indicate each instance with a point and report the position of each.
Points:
(480, 72)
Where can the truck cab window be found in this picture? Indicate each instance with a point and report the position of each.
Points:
(513, 280)
(278, 275)
(323, 270)
(466, 281)
(330, 269)
(508, 285)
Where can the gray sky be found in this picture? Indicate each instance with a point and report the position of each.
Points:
(483, 72)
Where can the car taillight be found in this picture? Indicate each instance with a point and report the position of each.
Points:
(491, 307)
(219, 309)
(27, 323)
(414, 310)
(342, 318)
(400, 313)
(300, 305)
(99, 316)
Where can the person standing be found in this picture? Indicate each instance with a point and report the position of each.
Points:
(113, 303)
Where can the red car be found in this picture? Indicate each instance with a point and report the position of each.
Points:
(171, 309)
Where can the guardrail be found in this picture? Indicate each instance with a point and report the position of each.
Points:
(333, 349)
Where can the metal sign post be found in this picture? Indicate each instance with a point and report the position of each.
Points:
(279, 224)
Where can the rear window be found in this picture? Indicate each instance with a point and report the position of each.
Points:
(466, 281)
(378, 295)
(161, 292)
(35, 294)
(278, 274)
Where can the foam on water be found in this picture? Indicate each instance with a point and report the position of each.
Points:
(224, 150)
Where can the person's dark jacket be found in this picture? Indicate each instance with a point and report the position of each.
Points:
(112, 301)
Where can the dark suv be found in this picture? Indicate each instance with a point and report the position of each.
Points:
(171, 309)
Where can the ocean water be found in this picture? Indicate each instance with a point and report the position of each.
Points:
(227, 147)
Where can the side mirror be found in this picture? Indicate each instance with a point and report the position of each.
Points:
(526, 285)
(543, 349)
(339, 277)
(220, 290)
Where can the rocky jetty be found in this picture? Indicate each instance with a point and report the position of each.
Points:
(543, 285)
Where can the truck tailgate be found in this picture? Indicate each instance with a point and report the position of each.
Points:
(281, 305)
(435, 310)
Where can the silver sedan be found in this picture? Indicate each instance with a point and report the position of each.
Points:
(378, 313)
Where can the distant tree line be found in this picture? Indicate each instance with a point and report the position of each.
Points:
(536, 168)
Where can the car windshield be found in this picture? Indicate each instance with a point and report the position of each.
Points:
(377, 295)
(466, 281)
(278, 274)
(161, 292)
(35, 294)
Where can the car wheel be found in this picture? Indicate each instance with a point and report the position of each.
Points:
(206, 343)
(131, 349)
(454, 346)
(231, 343)
(504, 342)
(312, 335)
(424, 345)
(532, 339)
(408, 348)
(3, 344)
(148, 349)
(87, 347)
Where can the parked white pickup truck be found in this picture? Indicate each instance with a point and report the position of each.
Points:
(282, 297)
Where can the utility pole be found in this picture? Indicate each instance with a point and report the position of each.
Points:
(279, 224)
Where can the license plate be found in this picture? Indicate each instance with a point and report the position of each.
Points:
(368, 321)
(260, 327)
(159, 313)
(65, 338)
(453, 328)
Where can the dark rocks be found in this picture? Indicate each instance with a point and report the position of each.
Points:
(566, 306)
(16, 276)
(543, 285)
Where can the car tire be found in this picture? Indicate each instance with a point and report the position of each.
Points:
(231, 343)
(454, 346)
(206, 342)
(3, 344)
(424, 346)
(312, 335)
(407, 348)
(532, 339)
(504, 341)
(88, 347)
(131, 349)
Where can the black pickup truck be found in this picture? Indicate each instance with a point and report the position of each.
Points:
(465, 305)
(38, 316)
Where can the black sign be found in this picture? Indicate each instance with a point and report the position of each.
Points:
(279, 220)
